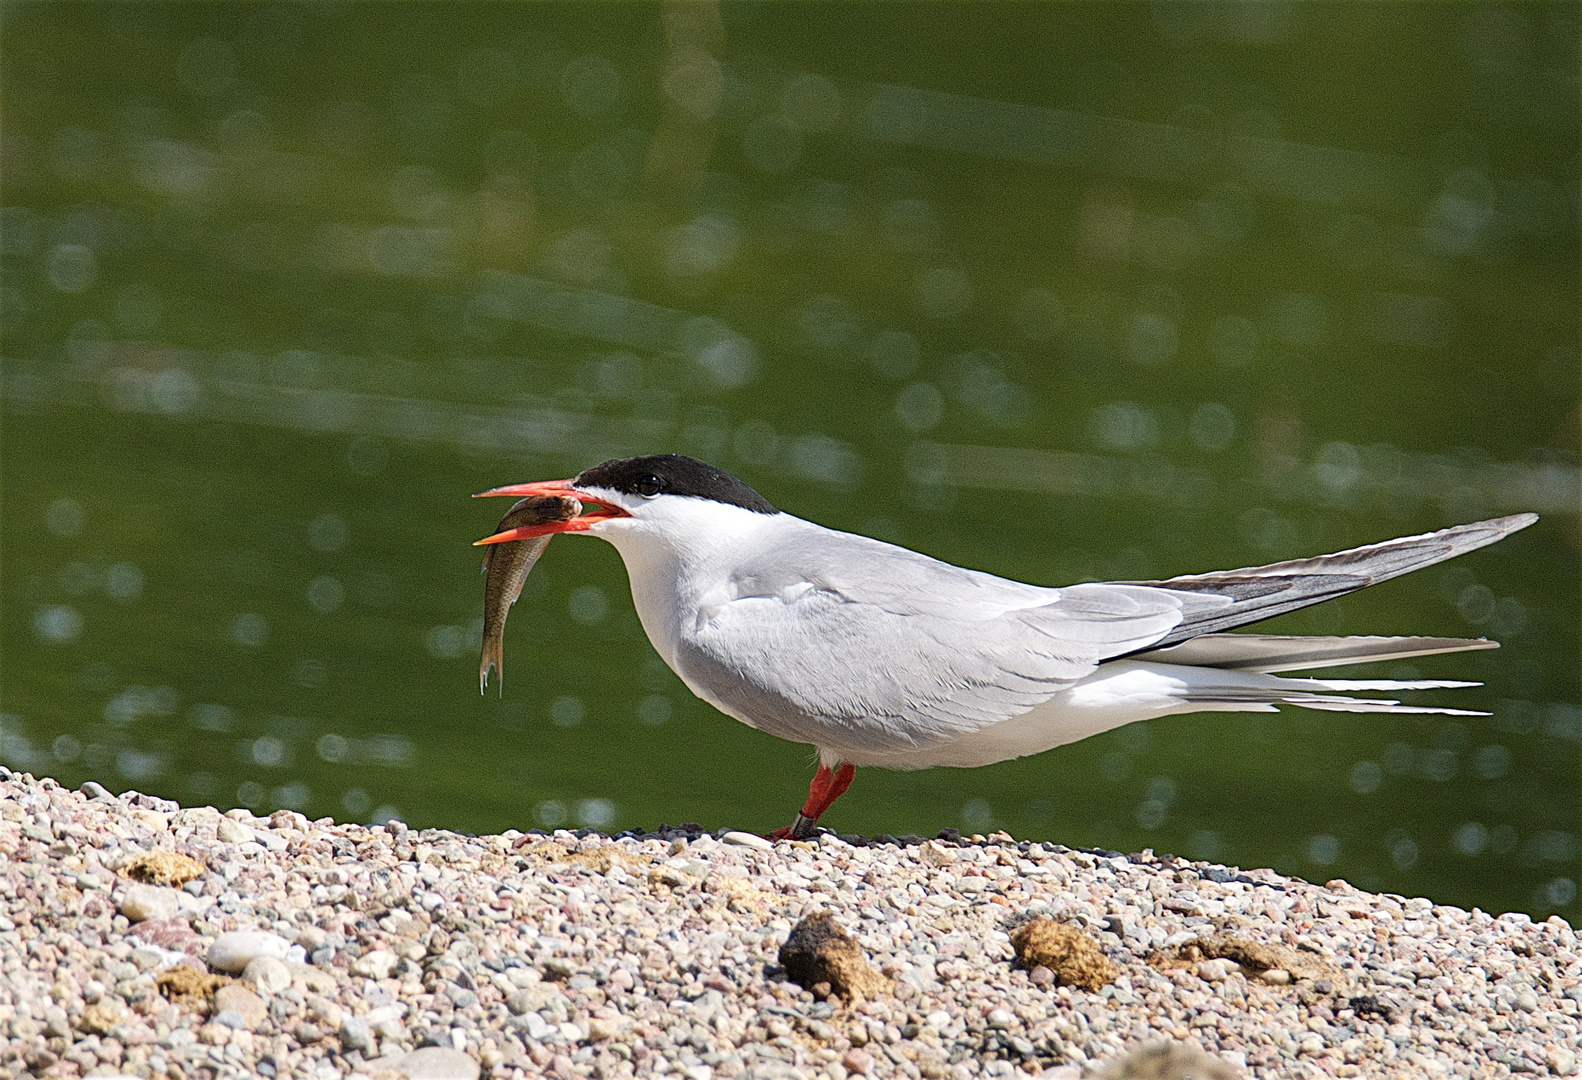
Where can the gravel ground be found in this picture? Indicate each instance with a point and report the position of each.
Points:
(316, 950)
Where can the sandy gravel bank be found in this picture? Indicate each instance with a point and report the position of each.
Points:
(288, 948)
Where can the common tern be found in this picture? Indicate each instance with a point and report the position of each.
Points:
(878, 655)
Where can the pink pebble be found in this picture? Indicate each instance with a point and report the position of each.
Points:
(858, 1061)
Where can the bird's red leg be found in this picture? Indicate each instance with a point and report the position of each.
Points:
(821, 793)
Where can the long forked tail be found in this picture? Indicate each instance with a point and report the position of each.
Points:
(1261, 592)
(1230, 690)
(1320, 694)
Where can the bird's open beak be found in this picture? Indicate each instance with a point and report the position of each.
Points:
(594, 510)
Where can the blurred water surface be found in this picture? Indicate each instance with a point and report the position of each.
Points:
(1057, 291)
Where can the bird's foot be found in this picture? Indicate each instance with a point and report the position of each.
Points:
(826, 787)
(800, 829)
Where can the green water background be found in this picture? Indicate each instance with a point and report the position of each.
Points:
(1060, 292)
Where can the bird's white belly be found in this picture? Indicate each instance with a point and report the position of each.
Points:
(1118, 693)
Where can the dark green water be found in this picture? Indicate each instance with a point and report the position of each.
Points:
(1059, 292)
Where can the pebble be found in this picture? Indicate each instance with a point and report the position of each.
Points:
(375, 964)
(425, 953)
(267, 974)
(232, 952)
(431, 1063)
(1216, 970)
(857, 1061)
(143, 902)
(232, 832)
(747, 839)
(234, 997)
(355, 1033)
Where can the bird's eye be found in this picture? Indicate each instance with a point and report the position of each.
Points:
(649, 486)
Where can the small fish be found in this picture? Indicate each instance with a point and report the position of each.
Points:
(505, 567)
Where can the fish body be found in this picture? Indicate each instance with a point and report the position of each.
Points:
(505, 568)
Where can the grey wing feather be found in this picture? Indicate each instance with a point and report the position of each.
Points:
(1261, 592)
(1273, 652)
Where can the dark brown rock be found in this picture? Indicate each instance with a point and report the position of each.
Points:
(819, 951)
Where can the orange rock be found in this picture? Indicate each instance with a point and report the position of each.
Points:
(162, 868)
(1073, 956)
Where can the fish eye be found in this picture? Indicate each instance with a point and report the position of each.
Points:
(649, 486)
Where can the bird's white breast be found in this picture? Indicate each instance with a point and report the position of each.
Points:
(683, 559)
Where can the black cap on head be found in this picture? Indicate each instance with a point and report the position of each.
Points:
(672, 474)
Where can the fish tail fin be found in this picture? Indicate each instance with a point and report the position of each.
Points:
(493, 660)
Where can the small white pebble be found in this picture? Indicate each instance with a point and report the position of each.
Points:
(229, 831)
(144, 902)
(267, 974)
(1216, 970)
(233, 951)
(375, 964)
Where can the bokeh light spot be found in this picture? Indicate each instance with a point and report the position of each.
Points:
(59, 624)
(65, 517)
(1366, 776)
(1323, 849)
(123, 581)
(328, 532)
(977, 814)
(326, 594)
(589, 605)
(250, 630)
(567, 711)
(595, 813)
(654, 710)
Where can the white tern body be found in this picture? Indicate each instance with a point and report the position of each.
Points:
(878, 655)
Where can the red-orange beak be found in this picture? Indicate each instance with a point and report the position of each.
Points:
(594, 510)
